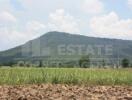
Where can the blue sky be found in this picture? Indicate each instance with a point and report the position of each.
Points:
(23, 20)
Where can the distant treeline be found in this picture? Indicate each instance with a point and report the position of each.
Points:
(83, 62)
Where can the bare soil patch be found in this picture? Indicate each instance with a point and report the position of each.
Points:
(65, 92)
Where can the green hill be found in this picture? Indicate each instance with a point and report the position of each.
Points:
(65, 46)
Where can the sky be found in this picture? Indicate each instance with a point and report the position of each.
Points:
(24, 20)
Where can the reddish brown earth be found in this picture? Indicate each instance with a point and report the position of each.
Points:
(65, 92)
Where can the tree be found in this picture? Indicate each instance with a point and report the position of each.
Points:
(103, 63)
(84, 62)
(125, 63)
(40, 63)
(21, 63)
(27, 64)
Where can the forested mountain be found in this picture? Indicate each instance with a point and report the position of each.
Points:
(60, 45)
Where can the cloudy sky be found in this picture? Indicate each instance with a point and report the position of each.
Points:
(23, 20)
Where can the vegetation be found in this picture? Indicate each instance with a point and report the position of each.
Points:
(84, 62)
(14, 76)
(40, 63)
(125, 63)
(103, 63)
(52, 40)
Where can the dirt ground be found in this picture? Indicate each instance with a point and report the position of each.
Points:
(65, 92)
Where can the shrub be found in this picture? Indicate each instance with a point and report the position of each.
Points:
(84, 62)
(125, 63)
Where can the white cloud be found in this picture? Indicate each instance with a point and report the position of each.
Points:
(130, 3)
(92, 6)
(111, 26)
(34, 28)
(5, 5)
(35, 25)
(7, 22)
(6, 18)
(61, 21)
(12, 37)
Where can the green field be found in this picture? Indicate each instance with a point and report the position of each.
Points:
(17, 76)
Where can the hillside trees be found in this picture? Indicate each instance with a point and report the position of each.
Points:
(125, 63)
(84, 62)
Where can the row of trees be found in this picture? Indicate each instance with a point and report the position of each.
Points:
(86, 63)
(83, 62)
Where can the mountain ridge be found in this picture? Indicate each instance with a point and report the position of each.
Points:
(53, 39)
(52, 32)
